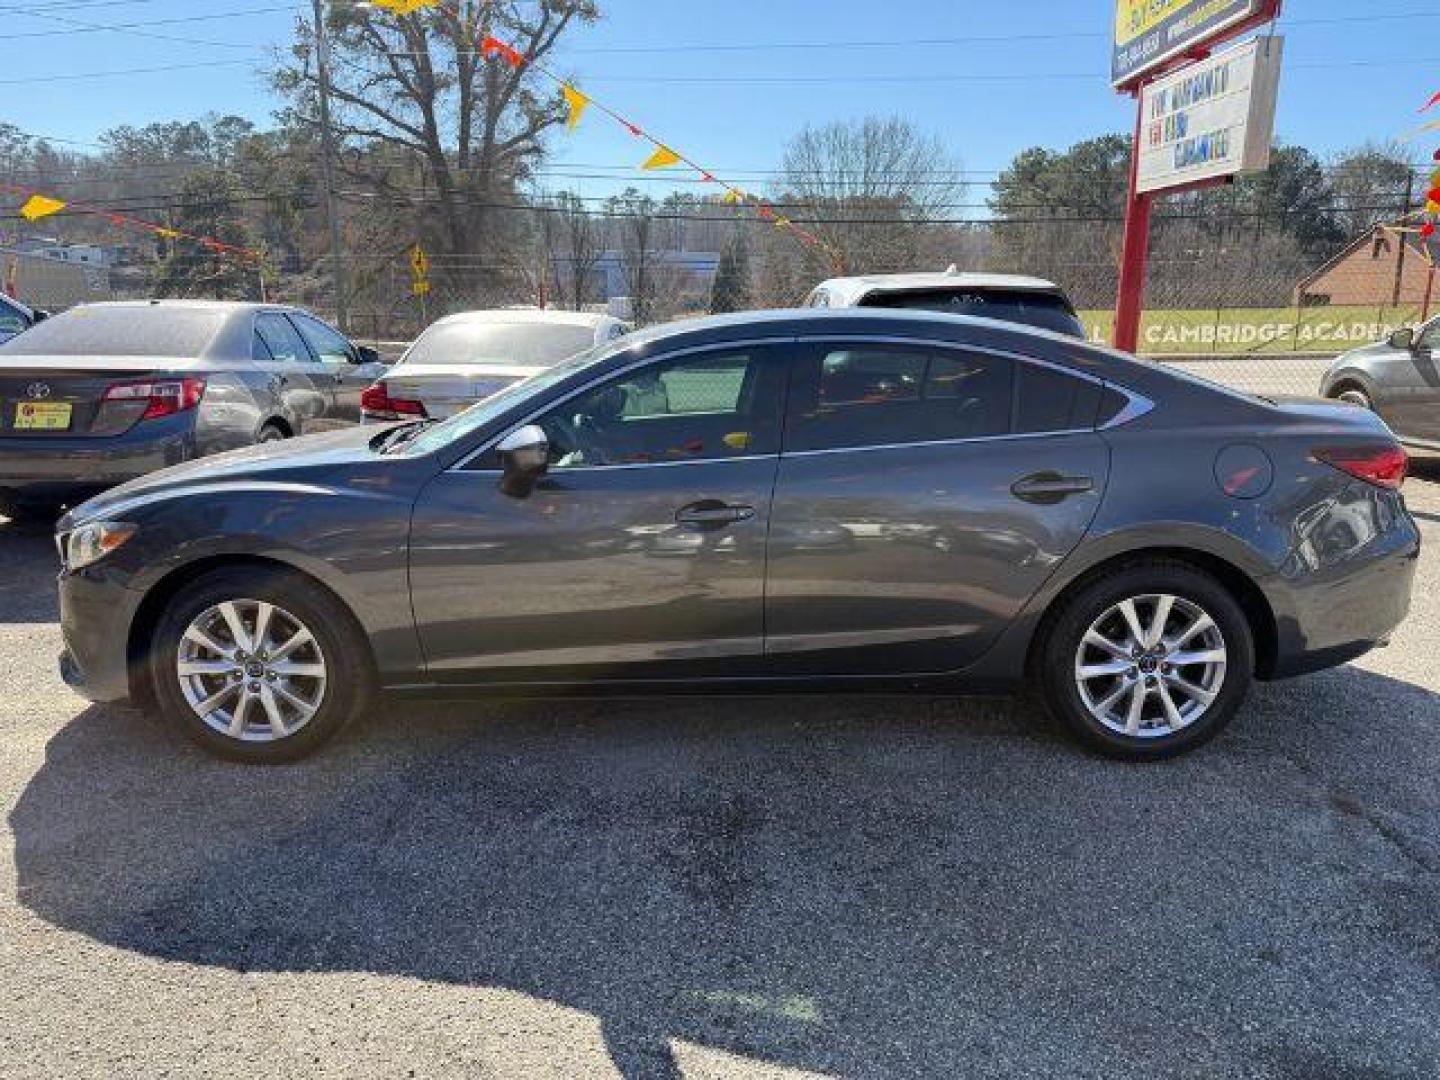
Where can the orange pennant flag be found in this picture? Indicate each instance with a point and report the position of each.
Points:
(493, 46)
(575, 101)
(662, 158)
(38, 206)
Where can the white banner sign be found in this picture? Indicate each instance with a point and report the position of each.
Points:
(1210, 119)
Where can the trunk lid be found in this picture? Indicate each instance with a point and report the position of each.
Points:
(446, 389)
(60, 396)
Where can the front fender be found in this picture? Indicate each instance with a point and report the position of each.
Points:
(352, 542)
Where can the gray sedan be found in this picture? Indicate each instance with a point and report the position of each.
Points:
(1397, 378)
(107, 392)
(780, 500)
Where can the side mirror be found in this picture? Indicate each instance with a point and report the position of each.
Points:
(368, 355)
(40, 314)
(525, 457)
(1403, 339)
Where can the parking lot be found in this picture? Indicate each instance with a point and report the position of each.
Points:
(781, 888)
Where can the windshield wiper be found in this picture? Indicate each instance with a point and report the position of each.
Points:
(398, 436)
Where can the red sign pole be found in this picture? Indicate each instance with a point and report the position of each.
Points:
(1135, 251)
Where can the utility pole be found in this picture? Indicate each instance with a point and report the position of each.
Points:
(327, 169)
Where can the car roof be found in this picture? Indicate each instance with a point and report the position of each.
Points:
(809, 322)
(851, 289)
(195, 305)
(550, 316)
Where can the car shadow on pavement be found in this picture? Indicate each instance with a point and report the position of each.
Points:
(857, 886)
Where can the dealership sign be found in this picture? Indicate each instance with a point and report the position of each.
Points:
(1150, 32)
(1211, 119)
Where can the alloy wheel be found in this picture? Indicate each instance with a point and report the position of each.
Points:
(1151, 665)
(251, 671)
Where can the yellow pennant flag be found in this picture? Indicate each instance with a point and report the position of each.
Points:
(733, 197)
(576, 101)
(404, 7)
(38, 206)
(168, 234)
(662, 158)
(782, 223)
(1432, 207)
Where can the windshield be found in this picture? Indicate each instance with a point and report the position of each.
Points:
(462, 424)
(517, 344)
(1039, 309)
(121, 331)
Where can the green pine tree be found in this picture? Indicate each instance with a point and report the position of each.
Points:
(731, 290)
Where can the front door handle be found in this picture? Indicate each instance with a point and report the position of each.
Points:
(1048, 488)
(712, 514)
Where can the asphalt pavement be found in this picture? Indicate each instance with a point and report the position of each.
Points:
(846, 886)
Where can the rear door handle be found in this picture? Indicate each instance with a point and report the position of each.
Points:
(713, 514)
(1047, 488)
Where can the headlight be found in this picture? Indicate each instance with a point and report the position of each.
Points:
(92, 542)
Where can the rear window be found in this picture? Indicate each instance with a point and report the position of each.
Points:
(521, 344)
(1043, 310)
(120, 331)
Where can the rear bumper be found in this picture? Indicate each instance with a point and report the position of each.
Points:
(55, 469)
(96, 615)
(1344, 594)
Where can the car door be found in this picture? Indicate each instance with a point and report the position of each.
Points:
(924, 494)
(304, 385)
(1414, 386)
(343, 363)
(641, 555)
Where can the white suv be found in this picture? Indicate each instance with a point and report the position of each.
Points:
(1030, 301)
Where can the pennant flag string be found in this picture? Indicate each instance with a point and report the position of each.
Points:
(36, 207)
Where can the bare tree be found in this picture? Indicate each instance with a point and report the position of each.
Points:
(875, 184)
(418, 85)
(577, 243)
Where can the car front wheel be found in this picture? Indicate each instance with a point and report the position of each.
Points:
(1148, 662)
(258, 665)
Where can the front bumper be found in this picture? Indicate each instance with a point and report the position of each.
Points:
(96, 615)
(56, 469)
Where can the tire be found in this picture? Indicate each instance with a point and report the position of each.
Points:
(269, 433)
(1183, 706)
(274, 683)
(1353, 395)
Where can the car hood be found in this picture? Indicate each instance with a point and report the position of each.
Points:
(1379, 348)
(293, 461)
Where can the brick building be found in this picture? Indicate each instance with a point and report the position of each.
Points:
(1383, 268)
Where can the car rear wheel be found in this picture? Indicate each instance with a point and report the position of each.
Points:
(271, 433)
(1148, 662)
(257, 665)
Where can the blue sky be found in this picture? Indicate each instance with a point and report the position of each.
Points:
(1349, 77)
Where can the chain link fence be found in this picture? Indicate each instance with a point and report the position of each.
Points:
(1228, 297)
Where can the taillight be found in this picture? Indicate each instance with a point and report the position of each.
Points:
(1384, 465)
(377, 404)
(162, 397)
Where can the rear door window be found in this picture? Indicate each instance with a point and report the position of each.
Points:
(885, 395)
